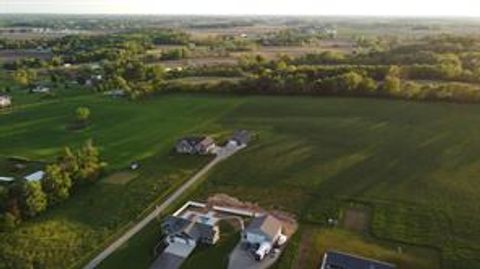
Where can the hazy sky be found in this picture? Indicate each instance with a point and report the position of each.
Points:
(469, 8)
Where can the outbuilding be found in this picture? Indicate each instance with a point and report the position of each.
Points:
(37, 176)
(5, 101)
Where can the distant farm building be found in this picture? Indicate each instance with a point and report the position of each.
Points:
(37, 176)
(336, 260)
(195, 145)
(5, 101)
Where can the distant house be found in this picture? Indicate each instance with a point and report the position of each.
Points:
(37, 176)
(5, 101)
(240, 137)
(195, 145)
(335, 260)
(40, 89)
(189, 231)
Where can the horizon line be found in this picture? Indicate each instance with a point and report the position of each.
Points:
(248, 15)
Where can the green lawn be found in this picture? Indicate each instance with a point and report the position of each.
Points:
(415, 165)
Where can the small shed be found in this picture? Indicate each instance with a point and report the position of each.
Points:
(37, 176)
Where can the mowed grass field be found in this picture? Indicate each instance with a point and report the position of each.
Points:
(416, 165)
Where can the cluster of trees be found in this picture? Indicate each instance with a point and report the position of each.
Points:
(24, 77)
(290, 37)
(133, 77)
(377, 81)
(26, 199)
(76, 49)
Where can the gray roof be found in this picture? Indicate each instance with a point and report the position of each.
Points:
(266, 224)
(193, 141)
(338, 260)
(186, 228)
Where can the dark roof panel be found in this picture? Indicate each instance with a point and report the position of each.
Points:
(338, 260)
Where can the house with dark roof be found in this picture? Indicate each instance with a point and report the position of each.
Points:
(189, 231)
(262, 229)
(339, 260)
(195, 145)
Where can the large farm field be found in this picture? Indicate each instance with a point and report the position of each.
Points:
(403, 161)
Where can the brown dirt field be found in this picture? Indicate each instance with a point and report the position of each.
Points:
(356, 219)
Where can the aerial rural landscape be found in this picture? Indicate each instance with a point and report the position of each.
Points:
(239, 142)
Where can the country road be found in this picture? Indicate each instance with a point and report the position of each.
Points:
(222, 154)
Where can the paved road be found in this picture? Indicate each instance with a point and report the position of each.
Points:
(222, 154)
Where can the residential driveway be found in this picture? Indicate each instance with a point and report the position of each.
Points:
(173, 256)
(241, 259)
(167, 261)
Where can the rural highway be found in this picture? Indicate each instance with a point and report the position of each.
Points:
(222, 153)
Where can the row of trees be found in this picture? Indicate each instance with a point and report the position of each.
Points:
(385, 82)
(73, 169)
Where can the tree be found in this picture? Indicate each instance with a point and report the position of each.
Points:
(82, 114)
(33, 200)
(351, 80)
(392, 85)
(68, 162)
(24, 77)
(89, 163)
(56, 184)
